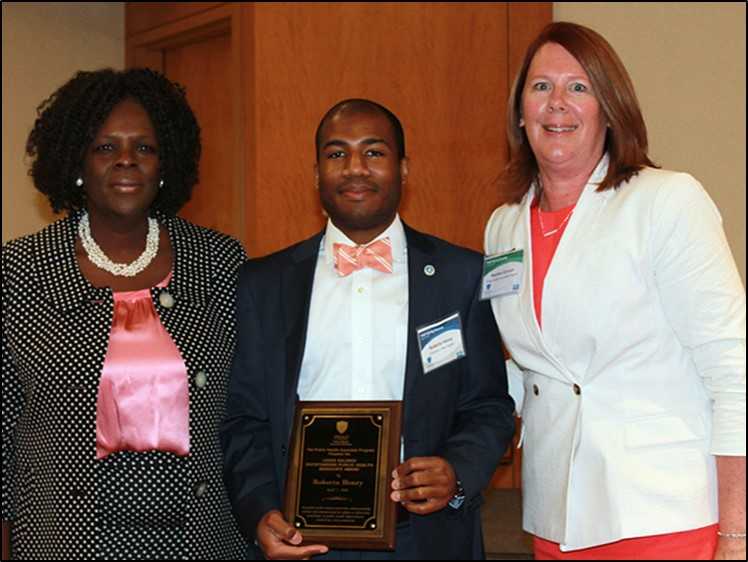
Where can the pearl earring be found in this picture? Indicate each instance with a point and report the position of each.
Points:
(521, 122)
(79, 182)
(161, 184)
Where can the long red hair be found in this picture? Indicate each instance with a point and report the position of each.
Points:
(626, 137)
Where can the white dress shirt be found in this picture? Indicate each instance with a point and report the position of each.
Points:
(357, 334)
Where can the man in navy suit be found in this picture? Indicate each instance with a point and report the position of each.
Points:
(336, 317)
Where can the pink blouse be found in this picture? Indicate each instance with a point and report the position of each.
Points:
(143, 401)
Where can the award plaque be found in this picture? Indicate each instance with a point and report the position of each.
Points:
(339, 474)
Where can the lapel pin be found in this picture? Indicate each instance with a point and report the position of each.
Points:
(429, 270)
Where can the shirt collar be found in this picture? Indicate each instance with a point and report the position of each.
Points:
(395, 232)
(600, 171)
(596, 178)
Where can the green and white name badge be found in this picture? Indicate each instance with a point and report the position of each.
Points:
(502, 274)
(441, 342)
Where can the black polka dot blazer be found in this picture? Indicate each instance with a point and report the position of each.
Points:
(55, 336)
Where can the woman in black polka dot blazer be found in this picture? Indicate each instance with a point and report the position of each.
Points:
(110, 445)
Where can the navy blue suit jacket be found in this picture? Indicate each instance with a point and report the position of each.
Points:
(461, 411)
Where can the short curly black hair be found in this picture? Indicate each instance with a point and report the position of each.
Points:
(69, 119)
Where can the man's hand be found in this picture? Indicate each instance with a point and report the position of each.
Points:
(424, 484)
(280, 541)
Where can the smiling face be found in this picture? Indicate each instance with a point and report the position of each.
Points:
(359, 173)
(121, 166)
(562, 117)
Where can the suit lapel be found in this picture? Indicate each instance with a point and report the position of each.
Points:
(587, 208)
(527, 303)
(423, 288)
(522, 238)
(297, 280)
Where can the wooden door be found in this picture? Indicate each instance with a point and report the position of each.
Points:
(443, 68)
(261, 75)
(197, 45)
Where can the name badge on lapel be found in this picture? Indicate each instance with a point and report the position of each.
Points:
(502, 274)
(441, 342)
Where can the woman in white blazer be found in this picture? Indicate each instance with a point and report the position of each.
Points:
(624, 314)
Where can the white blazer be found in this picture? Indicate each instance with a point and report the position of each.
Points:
(638, 376)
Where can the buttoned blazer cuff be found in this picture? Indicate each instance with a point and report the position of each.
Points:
(472, 491)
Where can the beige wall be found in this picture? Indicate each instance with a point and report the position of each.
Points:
(687, 61)
(44, 44)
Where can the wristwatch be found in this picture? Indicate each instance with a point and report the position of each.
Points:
(459, 497)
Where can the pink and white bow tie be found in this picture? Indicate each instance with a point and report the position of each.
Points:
(377, 255)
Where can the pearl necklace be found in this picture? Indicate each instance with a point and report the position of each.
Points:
(100, 259)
